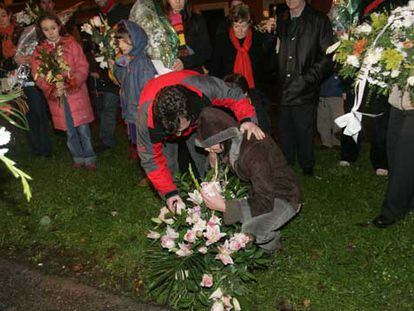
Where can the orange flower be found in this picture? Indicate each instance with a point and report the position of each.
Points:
(408, 44)
(359, 46)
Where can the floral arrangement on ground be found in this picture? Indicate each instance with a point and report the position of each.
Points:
(383, 47)
(195, 261)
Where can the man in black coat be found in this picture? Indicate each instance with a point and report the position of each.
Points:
(302, 39)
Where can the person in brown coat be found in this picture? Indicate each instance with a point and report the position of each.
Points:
(274, 194)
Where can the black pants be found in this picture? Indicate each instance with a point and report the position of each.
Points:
(38, 136)
(378, 155)
(399, 198)
(296, 127)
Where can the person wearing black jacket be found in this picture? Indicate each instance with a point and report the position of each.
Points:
(107, 99)
(302, 39)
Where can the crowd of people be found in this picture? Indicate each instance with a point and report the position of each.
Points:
(170, 119)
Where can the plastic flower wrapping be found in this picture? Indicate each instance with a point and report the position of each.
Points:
(103, 36)
(27, 43)
(381, 49)
(162, 38)
(195, 261)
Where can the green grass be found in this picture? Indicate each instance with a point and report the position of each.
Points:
(331, 258)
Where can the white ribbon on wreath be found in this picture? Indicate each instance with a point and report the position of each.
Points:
(351, 121)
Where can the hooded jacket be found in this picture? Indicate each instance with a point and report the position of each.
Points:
(258, 162)
(133, 71)
(204, 91)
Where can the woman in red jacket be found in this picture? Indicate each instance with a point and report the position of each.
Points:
(75, 114)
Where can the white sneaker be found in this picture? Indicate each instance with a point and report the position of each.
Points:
(344, 163)
(381, 172)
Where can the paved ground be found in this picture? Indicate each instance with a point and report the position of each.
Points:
(22, 289)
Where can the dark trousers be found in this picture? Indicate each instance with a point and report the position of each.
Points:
(399, 198)
(296, 126)
(378, 155)
(107, 105)
(38, 136)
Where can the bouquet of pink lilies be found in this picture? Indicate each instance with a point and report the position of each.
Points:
(196, 261)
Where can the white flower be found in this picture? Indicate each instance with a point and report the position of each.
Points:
(217, 294)
(410, 80)
(363, 29)
(184, 251)
(352, 60)
(213, 234)
(167, 242)
(3, 151)
(179, 208)
(217, 306)
(411, 5)
(373, 56)
(209, 187)
(207, 281)
(4, 136)
(171, 233)
(162, 216)
(200, 225)
(214, 220)
(203, 250)
(395, 73)
(87, 28)
(96, 21)
(195, 197)
(236, 304)
(190, 236)
(154, 235)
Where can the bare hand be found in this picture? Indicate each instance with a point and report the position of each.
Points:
(216, 202)
(252, 128)
(94, 75)
(212, 159)
(111, 63)
(173, 201)
(22, 60)
(271, 25)
(178, 65)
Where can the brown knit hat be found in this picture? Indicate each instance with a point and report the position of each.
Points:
(214, 127)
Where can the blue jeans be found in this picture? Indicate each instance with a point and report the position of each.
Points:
(79, 140)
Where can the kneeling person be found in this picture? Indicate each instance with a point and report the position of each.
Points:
(274, 194)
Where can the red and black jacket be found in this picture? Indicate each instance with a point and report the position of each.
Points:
(152, 136)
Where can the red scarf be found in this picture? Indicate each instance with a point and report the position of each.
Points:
(372, 6)
(242, 64)
(105, 10)
(7, 46)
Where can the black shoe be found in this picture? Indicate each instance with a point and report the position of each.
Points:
(383, 221)
(307, 172)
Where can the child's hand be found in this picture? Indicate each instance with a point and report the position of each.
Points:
(178, 65)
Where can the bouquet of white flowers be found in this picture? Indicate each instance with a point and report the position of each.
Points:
(102, 35)
(196, 261)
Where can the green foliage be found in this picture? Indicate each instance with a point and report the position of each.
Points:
(331, 258)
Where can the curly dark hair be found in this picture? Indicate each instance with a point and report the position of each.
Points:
(171, 103)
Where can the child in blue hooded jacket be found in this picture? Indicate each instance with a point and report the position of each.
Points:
(132, 70)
